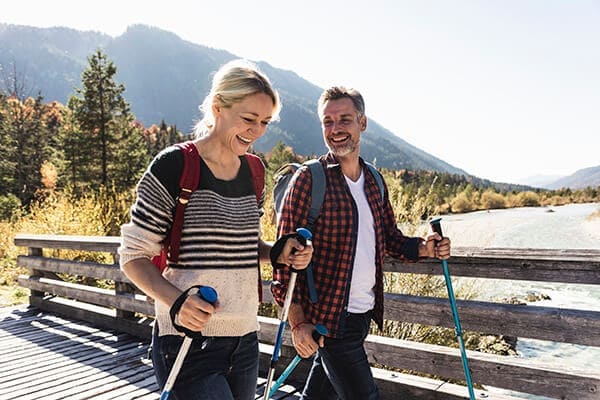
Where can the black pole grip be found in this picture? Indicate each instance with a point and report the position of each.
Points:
(436, 226)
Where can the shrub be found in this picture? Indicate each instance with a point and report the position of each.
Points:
(492, 200)
(10, 207)
(461, 203)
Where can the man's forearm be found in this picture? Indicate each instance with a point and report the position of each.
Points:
(295, 315)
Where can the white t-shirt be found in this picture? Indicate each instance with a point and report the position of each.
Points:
(362, 294)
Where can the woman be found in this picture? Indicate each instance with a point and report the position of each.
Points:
(220, 242)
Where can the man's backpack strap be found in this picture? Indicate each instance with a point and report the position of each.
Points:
(257, 169)
(190, 177)
(317, 191)
(378, 178)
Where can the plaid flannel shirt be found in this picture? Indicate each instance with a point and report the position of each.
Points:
(334, 241)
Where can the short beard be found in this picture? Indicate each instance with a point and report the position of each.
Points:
(342, 150)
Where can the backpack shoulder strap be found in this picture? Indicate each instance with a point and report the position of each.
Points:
(190, 177)
(257, 169)
(378, 178)
(317, 191)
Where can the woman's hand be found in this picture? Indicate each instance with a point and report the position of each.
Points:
(195, 313)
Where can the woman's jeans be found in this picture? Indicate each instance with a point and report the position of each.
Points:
(343, 362)
(225, 369)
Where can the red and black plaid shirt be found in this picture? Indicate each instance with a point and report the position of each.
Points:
(334, 241)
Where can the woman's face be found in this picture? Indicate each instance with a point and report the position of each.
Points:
(240, 125)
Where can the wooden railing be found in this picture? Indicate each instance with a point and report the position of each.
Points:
(125, 308)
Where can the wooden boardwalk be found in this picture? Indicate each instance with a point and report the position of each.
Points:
(43, 356)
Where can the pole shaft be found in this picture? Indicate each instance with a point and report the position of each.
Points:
(458, 328)
(183, 350)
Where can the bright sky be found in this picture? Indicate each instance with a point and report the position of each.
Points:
(502, 89)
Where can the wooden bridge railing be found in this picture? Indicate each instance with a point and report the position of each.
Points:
(125, 308)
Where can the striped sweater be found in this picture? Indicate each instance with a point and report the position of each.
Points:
(219, 241)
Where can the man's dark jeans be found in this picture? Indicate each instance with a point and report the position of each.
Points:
(343, 362)
(226, 369)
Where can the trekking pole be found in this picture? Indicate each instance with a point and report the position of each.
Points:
(437, 227)
(319, 331)
(209, 295)
(303, 235)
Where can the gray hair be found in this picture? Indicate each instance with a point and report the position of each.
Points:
(340, 92)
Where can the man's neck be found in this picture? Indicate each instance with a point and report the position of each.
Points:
(350, 166)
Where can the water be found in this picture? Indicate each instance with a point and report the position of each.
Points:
(562, 227)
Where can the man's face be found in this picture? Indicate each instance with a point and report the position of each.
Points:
(342, 126)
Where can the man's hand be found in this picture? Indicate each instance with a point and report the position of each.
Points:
(296, 254)
(303, 340)
(435, 246)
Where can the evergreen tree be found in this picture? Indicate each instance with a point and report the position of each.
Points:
(25, 146)
(280, 155)
(7, 164)
(100, 104)
(128, 153)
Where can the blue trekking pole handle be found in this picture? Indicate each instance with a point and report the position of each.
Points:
(319, 331)
(305, 235)
(209, 295)
(437, 227)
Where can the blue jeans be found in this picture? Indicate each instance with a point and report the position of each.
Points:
(226, 369)
(341, 369)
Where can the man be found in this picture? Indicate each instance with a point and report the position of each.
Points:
(355, 229)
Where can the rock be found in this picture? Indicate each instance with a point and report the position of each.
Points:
(536, 296)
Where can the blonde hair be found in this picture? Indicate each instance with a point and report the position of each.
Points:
(232, 83)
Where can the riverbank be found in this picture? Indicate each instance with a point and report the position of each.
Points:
(573, 226)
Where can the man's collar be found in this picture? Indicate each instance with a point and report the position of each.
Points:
(332, 161)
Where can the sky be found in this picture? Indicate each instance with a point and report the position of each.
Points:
(503, 89)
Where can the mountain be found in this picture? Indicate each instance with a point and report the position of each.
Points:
(578, 180)
(539, 181)
(166, 78)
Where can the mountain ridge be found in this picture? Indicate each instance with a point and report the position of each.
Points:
(165, 79)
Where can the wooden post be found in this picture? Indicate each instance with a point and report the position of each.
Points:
(35, 296)
(123, 288)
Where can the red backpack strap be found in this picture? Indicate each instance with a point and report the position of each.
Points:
(190, 177)
(257, 169)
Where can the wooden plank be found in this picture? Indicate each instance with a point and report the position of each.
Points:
(498, 371)
(106, 244)
(528, 253)
(549, 269)
(64, 373)
(544, 323)
(88, 294)
(98, 316)
(144, 386)
(82, 268)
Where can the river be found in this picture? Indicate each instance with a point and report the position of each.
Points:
(561, 227)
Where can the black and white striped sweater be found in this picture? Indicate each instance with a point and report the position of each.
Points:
(219, 241)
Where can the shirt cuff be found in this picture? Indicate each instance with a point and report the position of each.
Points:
(410, 248)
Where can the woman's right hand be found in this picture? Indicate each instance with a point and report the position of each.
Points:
(195, 313)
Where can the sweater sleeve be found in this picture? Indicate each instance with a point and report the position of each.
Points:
(152, 211)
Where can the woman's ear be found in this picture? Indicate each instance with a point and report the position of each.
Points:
(216, 108)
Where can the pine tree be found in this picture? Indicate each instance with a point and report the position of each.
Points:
(25, 146)
(100, 104)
